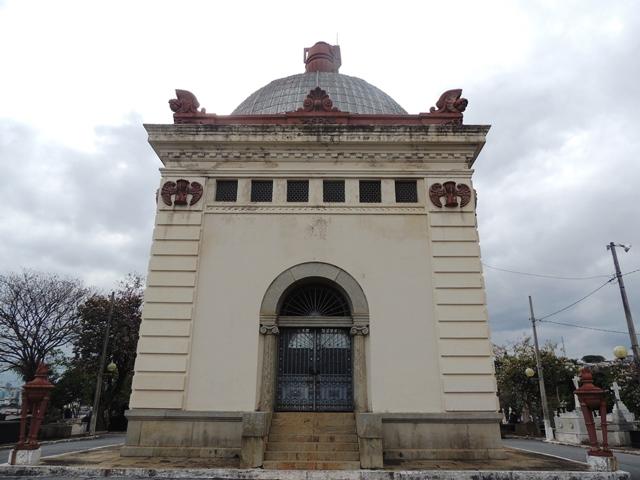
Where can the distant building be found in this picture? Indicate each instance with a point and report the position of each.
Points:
(315, 276)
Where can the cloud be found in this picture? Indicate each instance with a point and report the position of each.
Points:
(558, 180)
(86, 214)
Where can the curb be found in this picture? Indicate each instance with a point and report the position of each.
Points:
(258, 474)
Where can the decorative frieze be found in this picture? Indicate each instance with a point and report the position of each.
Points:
(316, 210)
(260, 155)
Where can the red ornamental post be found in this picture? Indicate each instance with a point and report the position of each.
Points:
(35, 397)
(592, 399)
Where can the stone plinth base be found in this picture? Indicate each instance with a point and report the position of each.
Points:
(602, 464)
(441, 436)
(381, 436)
(175, 433)
(25, 457)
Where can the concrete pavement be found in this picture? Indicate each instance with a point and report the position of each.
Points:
(628, 462)
(57, 448)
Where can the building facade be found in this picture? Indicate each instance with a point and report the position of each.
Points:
(315, 257)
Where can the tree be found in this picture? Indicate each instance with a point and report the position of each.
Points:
(518, 392)
(38, 316)
(121, 349)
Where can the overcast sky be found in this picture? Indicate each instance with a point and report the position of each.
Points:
(558, 81)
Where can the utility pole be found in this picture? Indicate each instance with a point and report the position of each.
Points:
(103, 356)
(548, 431)
(625, 303)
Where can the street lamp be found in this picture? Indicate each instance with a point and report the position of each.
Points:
(620, 352)
(529, 372)
(112, 367)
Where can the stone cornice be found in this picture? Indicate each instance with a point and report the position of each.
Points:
(304, 173)
(392, 134)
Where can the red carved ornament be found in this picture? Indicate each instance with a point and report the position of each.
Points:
(317, 101)
(451, 102)
(181, 188)
(322, 57)
(185, 103)
(450, 191)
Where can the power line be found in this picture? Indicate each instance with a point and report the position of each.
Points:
(541, 275)
(580, 300)
(632, 271)
(585, 327)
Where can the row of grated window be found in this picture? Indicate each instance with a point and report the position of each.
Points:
(333, 191)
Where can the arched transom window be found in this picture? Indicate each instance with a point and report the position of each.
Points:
(315, 300)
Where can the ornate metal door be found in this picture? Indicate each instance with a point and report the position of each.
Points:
(314, 370)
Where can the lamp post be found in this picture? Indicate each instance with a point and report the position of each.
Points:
(103, 356)
(625, 302)
(548, 429)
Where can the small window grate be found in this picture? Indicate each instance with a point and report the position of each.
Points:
(297, 190)
(406, 191)
(261, 190)
(370, 191)
(226, 190)
(333, 191)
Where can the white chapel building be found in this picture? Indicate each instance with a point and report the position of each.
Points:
(315, 296)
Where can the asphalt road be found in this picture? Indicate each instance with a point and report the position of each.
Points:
(628, 462)
(58, 448)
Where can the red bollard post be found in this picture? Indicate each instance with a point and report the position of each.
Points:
(35, 398)
(592, 398)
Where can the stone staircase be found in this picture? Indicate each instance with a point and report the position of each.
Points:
(312, 441)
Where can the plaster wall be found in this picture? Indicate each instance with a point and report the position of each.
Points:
(242, 254)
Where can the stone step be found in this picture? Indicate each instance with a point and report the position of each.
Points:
(311, 447)
(313, 429)
(302, 420)
(313, 456)
(321, 438)
(280, 465)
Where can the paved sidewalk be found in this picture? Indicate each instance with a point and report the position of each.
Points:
(109, 458)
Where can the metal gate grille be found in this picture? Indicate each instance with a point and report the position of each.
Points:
(314, 370)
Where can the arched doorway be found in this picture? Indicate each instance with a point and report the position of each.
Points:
(314, 349)
(329, 309)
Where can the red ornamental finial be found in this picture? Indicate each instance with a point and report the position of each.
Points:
(322, 57)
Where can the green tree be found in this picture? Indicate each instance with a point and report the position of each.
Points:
(517, 391)
(78, 381)
(38, 317)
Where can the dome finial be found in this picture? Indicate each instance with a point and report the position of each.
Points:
(322, 57)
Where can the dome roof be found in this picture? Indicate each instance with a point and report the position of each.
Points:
(322, 62)
(348, 94)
